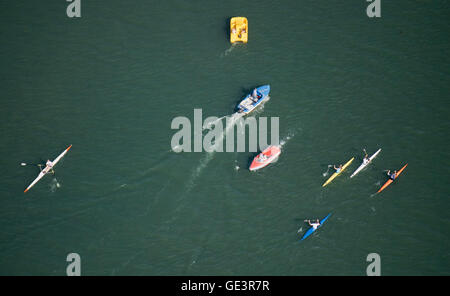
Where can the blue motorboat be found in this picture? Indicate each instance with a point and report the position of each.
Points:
(253, 100)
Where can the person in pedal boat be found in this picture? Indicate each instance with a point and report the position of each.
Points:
(393, 175)
(338, 169)
(262, 157)
(314, 225)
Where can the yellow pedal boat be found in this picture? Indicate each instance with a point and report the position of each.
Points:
(238, 29)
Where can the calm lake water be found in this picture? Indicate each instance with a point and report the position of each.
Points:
(110, 83)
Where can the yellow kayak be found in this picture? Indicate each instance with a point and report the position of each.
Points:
(238, 29)
(337, 174)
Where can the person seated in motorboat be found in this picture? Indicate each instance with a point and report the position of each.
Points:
(255, 95)
(393, 175)
(314, 225)
(338, 169)
(244, 31)
(233, 30)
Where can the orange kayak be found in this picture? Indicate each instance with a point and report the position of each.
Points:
(388, 182)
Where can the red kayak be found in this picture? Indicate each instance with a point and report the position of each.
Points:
(264, 158)
(388, 182)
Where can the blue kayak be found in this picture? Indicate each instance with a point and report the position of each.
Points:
(254, 99)
(311, 230)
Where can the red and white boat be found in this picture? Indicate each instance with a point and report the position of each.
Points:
(270, 154)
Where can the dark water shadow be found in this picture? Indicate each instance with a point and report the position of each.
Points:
(226, 28)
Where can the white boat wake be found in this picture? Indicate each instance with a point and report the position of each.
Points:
(210, 155)
(54, 185)
(174, 149)
(226, 52)
(285, 140)
(196, 172)
(208, 126)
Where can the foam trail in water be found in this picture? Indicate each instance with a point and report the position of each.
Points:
(196, 172)
(208, 126)
(236, 166)
(54, 185)
(210, 155)
(286, 139)
(226, 52)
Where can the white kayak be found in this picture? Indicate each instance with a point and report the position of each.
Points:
(44, 172)
(363, 165)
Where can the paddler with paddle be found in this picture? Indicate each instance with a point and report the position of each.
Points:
(393, 175)
(366, 159)
(314, 225)
(48, 167)
(338, 169)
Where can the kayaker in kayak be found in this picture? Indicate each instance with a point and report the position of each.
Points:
(48, 167)
(338, 169)
(366, 159)
(393, 175)
(314, 225)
